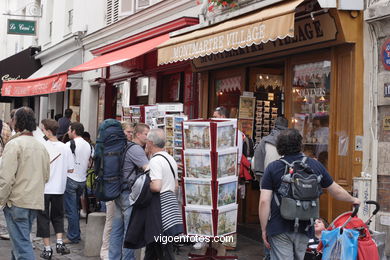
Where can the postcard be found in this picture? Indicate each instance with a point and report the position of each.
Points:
(246, 126)
(197, 135)
(169, 132)
(136, 111)
(227, 191)
(169, 150)
(227, 220)
(160, 120)
(169, 121)
(178, 143)
(169, 142)
(197, 164)
(226, 135)
(136, 119)
(126, 111)
(199, 222)
(247, 107)
(227, 163)
(178, 120)
(198, 192)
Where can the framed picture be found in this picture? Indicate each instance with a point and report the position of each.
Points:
(246, 126)
(197, 135)
(247, 107)
(197, 164)
(227, 163)
(226, 135)
(199, 221)
(227, 191)
(227, 220)
(198, 192)
(142, 86)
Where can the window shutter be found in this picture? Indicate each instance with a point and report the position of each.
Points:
(112, 13)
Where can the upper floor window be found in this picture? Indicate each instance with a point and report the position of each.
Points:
(70, 17)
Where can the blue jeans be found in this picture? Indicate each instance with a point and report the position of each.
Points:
(120, 222)
(72, 195)
(19, 223)
(288, 246)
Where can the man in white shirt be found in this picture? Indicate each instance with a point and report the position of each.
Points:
(54, 191)
(163, 175)
(75, 183)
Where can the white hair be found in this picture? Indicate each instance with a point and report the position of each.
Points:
(157, 137)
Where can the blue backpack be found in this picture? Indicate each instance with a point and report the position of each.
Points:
(108, 160)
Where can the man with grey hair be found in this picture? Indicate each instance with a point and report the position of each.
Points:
(163, 175)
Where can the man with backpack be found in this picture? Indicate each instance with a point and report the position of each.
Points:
(134, 160)
(75, 183)
(289, 199)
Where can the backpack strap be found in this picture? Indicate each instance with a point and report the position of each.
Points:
(1, 131)
(73, 146)
(173, 172)
(126, 149)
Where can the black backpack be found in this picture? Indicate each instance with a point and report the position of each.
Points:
(300, 191)
(108, 160)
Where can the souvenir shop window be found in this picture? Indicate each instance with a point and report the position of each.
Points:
(172, 88)
(74, 104)
(122, 96)
(311, 102)
(228, 94)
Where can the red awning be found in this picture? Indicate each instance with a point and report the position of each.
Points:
(33, 87)
(121, 55)
(57, 82)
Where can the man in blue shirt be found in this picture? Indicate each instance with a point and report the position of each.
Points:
(278, 233)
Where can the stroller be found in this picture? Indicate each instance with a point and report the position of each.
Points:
(349, 235)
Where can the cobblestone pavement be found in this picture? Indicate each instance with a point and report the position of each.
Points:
(247, 249)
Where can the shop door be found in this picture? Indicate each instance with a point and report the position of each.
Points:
(267, 84)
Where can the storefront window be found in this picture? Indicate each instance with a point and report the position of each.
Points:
(228, 94)
(311, 93)
(74, 104)
(122, 97)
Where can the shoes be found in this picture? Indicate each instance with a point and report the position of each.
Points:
(47, 254)
(62, 249)
(199, 245)
(67, 241)
(83, 214)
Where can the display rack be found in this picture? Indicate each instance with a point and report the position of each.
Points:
(210, 180)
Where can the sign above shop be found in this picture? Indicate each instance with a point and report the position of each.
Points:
(385, 54)
(387, 90)
(307, 32)
(22, 27)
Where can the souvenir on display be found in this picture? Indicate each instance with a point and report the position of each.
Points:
(227, 220)
(227, 163)
(197, 164)
(227, 191)
(226, 135)
(197, 135)
(198, 192)
(199, 221)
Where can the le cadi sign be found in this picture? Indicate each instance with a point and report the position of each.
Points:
(385, 54)
(22, 27)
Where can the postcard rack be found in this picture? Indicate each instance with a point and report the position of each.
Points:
(210, 181)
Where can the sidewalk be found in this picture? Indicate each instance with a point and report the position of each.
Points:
(247, 249)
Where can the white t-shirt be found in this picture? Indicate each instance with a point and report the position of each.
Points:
(160, 170)
(81, 158)
(59, 168)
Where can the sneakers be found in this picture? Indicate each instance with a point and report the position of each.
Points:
(47, 254)
(62, 249)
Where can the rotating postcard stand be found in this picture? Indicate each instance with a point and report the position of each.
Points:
(210, 181)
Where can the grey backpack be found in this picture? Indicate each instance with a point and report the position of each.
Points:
(300, 191)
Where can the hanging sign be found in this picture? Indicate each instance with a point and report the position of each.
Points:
(22, 27)
(387, 90)
(386, 123)
(385, 54)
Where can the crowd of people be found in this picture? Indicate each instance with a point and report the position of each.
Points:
(46, 181)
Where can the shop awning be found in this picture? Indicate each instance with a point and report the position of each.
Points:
(121, 55)
(58, 65)
(57, 82)
(269, 24)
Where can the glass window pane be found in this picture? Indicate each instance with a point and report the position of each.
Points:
(311, 94)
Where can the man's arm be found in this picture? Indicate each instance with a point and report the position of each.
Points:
(155, 185)
(8, 168)
(264, 211)
(337, 192)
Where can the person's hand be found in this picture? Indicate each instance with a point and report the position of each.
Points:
(265, 239)
(356, 201)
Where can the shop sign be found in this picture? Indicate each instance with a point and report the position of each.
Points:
(24, 88)
(307, 32)
(22, 27)
(7, 77)
(387, 90)
(386, 55)
(386, 123)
